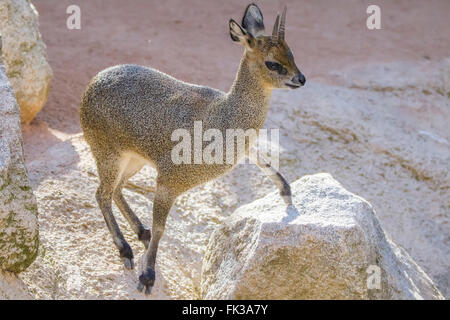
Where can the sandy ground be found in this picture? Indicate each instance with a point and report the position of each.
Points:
(189, 40)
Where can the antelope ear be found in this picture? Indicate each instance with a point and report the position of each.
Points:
(253, 20)
(237, 33)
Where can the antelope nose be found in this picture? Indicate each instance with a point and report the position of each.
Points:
(299, 78)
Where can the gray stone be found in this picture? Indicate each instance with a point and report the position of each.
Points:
(18, 210)
(24, 56)
(330, 246)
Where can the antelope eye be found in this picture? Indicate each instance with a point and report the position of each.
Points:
(275, 66)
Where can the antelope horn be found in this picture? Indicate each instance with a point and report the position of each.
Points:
(275, 29)
(282, 24)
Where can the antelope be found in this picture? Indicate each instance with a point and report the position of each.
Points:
(128, 113)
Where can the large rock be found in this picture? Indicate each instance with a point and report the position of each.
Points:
(24, 56)
(330, 246)
(18, 209)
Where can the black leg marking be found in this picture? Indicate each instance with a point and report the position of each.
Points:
(275, 176)
(127, 255)
(147, 281)
(145, 236)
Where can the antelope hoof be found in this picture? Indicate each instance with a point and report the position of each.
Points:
(145, 236)
(127, 256)
(146, 281)
(128, 263)
(287, 200)
(286, 195)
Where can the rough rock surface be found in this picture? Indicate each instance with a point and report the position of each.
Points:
(360, 135)
(323, 247)
(12, 288)
(24, 56)
(18, 209)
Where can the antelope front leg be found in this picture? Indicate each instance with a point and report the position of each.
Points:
(161, 207)
(274, 175)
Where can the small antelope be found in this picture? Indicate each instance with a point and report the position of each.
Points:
(129, 112)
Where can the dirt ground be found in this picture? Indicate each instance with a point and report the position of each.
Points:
(190, 40)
